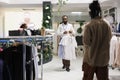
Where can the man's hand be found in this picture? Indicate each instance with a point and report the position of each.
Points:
(65, 32)
(70, 32)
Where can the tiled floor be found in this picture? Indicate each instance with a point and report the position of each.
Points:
(53, 71)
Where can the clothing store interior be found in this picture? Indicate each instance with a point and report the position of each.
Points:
(47, 39)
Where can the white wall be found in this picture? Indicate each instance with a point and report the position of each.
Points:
(1, 22)
(14, 19)
(118, 15)
(118, 12)
(11, 18)
(4, 1)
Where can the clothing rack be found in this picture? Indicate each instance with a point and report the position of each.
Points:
(31, 39)
(114, 33)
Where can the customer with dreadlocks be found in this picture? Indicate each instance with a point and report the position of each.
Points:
(96, 40)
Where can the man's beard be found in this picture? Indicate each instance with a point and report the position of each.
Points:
(65, 22)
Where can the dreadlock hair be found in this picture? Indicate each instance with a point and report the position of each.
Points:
(95, 9)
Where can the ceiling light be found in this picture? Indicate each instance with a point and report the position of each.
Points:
(46, 7)
(46, 21)
(76, 13)
(48, 17)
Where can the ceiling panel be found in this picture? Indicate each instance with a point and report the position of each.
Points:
(70, 6)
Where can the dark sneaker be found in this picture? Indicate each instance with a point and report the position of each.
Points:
(67, 69)
(63, 67)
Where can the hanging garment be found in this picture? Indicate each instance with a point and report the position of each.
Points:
(36, 59)
(119, 27)
(67, 48)
(1, 69)
(113, 46)
(117, 55)
(29, 67)
(14, 60)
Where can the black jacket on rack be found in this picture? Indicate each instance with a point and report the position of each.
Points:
(30, 66)
(13, 61)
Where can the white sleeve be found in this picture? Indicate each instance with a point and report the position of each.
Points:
(59, 30)
(73, 29)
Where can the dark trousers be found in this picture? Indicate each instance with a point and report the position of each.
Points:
(66, 63)
(101, 72)
(1, 69)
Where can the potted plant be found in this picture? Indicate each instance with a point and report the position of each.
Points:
(79, 30)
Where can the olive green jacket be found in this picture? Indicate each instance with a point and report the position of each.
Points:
(96, 40)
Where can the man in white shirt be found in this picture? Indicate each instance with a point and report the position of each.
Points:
(67, 44)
